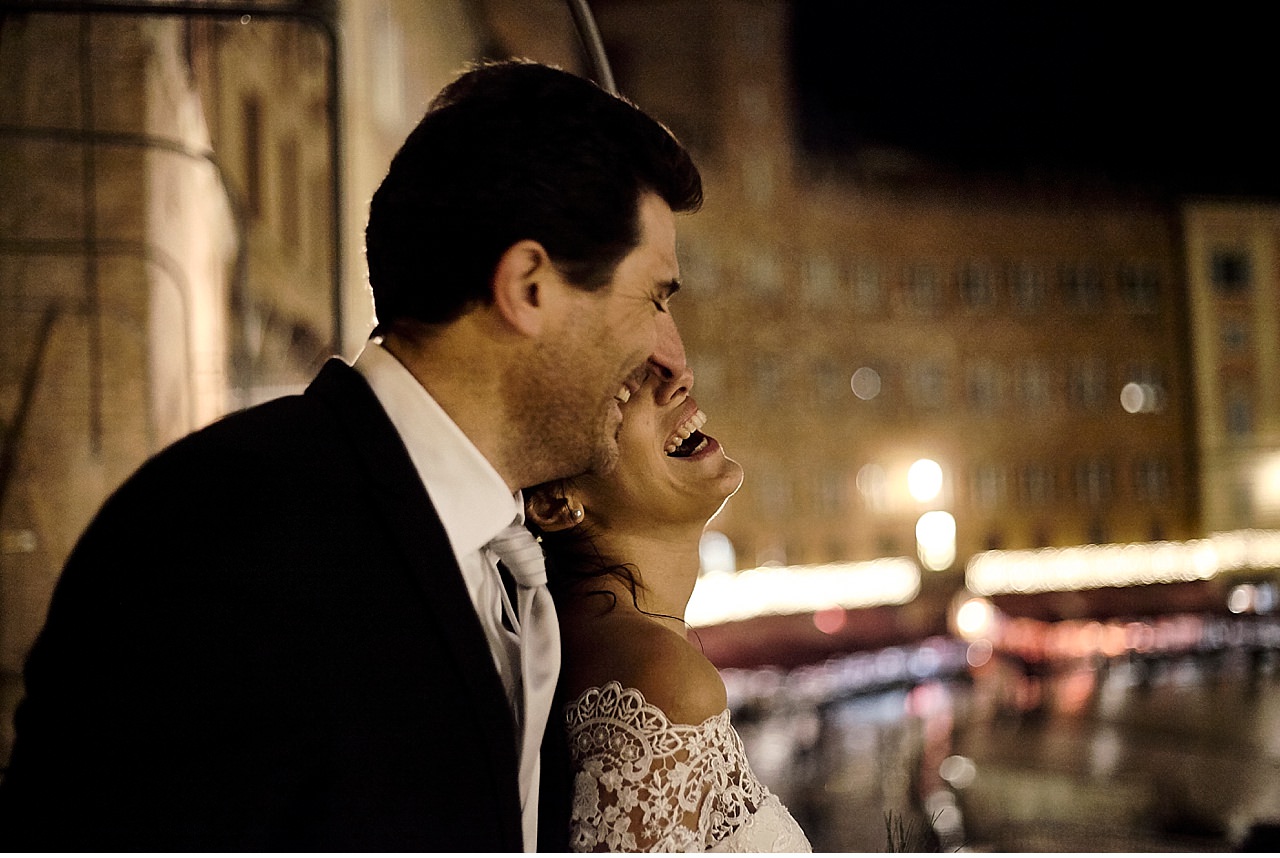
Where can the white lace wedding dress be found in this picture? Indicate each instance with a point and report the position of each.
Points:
(645, 784)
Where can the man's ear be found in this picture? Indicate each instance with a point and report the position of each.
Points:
(520, 286)
(551, 512)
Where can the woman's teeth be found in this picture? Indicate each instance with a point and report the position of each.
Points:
(693, 424)
(623, 395)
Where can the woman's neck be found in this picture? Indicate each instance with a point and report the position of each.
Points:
(665, 565)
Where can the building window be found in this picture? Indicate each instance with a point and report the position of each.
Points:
(767, 372)
(868, 290)
(1031, 386)
(873, 485)
(830, 385)
(290, 192)
(1234, 336)
(1231, 271)
(987, 486)
(977, 287)
(927, 384)
(775, 494)
(1093, 481)
(1035, 484)
(1097, 532)
(1082, 288)
(1239, 407)
(982, 387)
(1151, 480)
(924, 290)
(757, 179)
(708, 369)
(1087, 384)
(1029, 289)
(699, 268)
(821, 278)
(829, 493)
(763, 273)
(251, 157)
(1139, 289)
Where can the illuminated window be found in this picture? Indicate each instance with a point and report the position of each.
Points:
(927, 384)
(1139, 289)
(290, 194)
(821, 278)
(868, 291)
(763, 273)
(829, 382)
(1097, 532)
(1036, 484)
(757, 179)
(767, 372)
(1031, 385)
(708, 371)
(977, 287)
(1087, 383)
(1093, 481)
(1082, 288)
(924, 290)
(829, 492)
(987, 486)
(1151, 480)
(699, 269)
(1231, 271)
(774, 494)
(982, 387)
(1028, 287)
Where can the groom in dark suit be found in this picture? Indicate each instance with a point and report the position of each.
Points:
(285, 632)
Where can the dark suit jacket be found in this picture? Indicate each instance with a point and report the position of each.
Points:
(263, 641)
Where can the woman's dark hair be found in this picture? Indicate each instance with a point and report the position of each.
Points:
(510, 151)
(573, 558)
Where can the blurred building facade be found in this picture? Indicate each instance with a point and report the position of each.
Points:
(1233, 278)
(845, 323)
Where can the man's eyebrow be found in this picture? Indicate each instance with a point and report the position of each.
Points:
(670, 288)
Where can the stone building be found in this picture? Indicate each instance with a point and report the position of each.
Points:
(844, 323)
(1233, 276)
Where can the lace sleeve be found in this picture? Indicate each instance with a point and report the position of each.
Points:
(644, 784)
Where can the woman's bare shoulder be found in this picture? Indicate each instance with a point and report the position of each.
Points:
(638, 653)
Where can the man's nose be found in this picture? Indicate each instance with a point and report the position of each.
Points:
(669, 362)
(668, 358)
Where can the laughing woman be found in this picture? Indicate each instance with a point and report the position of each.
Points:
(657, 765)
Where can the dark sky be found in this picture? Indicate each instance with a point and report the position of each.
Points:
(1183, 98)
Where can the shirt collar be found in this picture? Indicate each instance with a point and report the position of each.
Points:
(469, 495)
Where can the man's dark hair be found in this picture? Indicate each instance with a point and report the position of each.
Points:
(510, 151)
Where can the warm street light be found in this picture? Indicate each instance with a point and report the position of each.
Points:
(924, 480)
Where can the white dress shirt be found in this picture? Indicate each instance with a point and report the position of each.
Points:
(471, 498)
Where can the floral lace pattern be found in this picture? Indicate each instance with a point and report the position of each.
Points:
(645, 784)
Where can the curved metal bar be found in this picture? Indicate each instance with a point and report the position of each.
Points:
(593, 44)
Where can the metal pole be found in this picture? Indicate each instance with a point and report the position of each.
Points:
(592, 43)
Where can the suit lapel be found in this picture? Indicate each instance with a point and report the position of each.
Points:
(402, 502)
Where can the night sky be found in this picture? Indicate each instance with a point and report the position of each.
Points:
(1177, 99)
